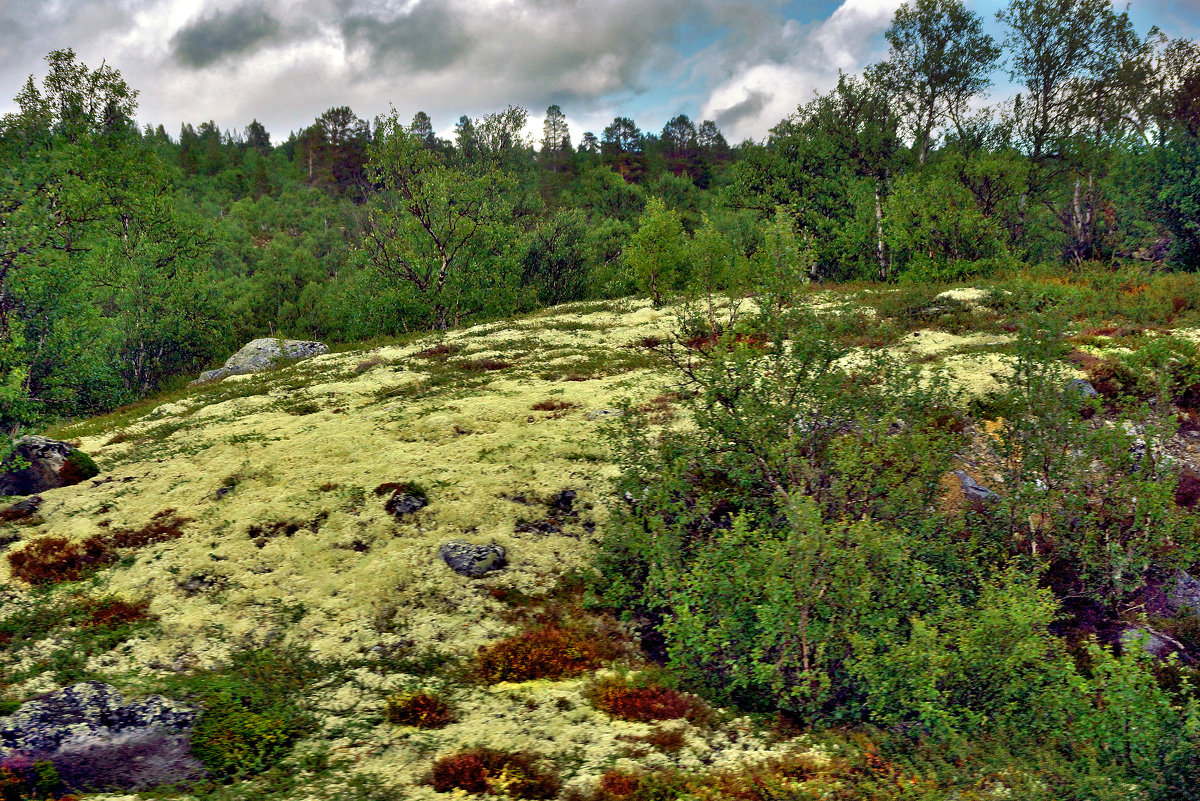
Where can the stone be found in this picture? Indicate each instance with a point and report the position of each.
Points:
(37, 464)
(98, 740)
(21, 509)
(1185, 594)
(973, 490)
(1153, 642)
(402, 504)
(563, 502)
(602, 414)
(1082, 388)
(473, 561)
(263, 354)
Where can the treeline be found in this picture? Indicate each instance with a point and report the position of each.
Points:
(131, 258)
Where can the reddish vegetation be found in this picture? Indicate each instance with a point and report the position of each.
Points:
(484, 770)
(552, 405)
(619, 784)
(439, 351)
(110, 612)
(704, 342)
(421, 709)
(546, 653)
(623, 699)
(483, 365)
(49, 560)
(163, 527)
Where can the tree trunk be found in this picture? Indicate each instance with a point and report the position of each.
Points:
(879, 251)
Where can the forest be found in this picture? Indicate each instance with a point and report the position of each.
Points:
(946, 594)
(133, 258)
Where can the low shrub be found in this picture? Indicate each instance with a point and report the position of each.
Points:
(77, 467)
(232, 740)
(163, 527)
(551, 652)
(486, 771)
(419, 708)
(630, 699)
(50, 560)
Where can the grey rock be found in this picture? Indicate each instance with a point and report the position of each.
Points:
(563, 501)
(402, 504)
(1152, 642)
(1082, 388)
(47, 464)
(601, 414)
(1186, 593)
(21, 509)
(89, 712)
(263, 354)
(473, 561)
(973, 490)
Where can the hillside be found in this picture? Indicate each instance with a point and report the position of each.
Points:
(271, 537)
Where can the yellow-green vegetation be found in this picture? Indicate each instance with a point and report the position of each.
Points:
(335, 655)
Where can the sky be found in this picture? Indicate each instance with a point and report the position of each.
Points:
(746, 64)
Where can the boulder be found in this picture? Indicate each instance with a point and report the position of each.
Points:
(473, 561)
(1152, 642)
(98, 740)
(402, 504)
(1186, 593)
(37, 464)
(1082, 388)
(973, 490)
(263, 354)
(21, 510)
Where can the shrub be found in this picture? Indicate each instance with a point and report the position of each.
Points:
(232, 740)
(485, 770)
(642, 701)
(77, 467)
(163, 527)
(50, 560)
(419, 708)
(545, 653)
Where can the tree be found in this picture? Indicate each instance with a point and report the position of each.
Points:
(556, 136)
(334, 149)
(257, 137)
(422, 128)
(103, 291)
(622, 148)
(656, 251)
(437, 229)
(939, 59)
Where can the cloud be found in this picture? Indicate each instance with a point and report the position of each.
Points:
(223, 34)
(744, 63)
(759, 93)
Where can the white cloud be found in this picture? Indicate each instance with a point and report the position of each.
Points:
(758, 95)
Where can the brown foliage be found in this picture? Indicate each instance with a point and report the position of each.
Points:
(627, 700)
(163, 527)
(419, 708)
(484, 770)
(551, 652)
(49, 560)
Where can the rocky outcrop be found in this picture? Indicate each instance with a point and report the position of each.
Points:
(98, 740)
(472, 560)
(1185, 595)
(263, 354)
(974, 491)
(37, 464)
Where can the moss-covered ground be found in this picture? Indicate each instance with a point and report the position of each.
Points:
(286, 546)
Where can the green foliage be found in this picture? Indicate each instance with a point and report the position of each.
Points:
(656, 251)
(438, 231)
(252, 713)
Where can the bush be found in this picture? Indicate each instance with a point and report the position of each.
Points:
(233, 741)
(642, 701)
(419, 708)
(551, 652)
(486, 771)
(50, 560)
